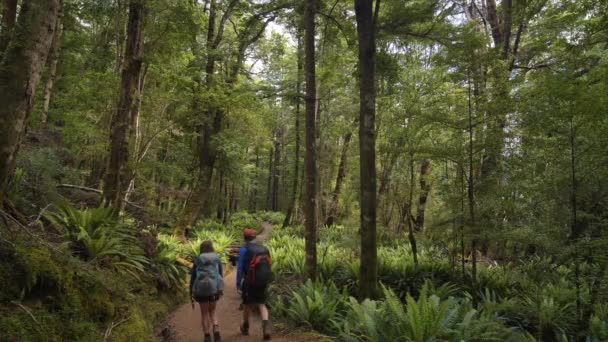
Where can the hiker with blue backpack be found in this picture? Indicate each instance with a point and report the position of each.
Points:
(253, 276)
(206, 288)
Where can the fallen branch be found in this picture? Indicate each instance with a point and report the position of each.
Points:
(40, 214)
(113, 325)
(26, 310)
(97, 191)
(78, 187)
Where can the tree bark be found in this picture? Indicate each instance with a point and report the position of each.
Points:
(367, 146)
(425, 187)
(335, 199)
(52, 68)
(9, 17)
(118, 171)
(20, 72)
(310, 205)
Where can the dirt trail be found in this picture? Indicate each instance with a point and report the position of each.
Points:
(185, 323)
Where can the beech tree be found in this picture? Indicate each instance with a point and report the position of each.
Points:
(123, 123)
(20, 71)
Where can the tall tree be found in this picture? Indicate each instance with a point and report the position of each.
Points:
(276, 171)
(20, 72)
(335, 198)
(52, 68)
(425, 187)
(296, 168)
(366, 33)
(118, 173)
(310, 205)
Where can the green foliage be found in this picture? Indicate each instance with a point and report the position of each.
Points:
(315, 305)
(275, 218)
(69, 299)
(97, 236)
(427, 319)
(170, 275)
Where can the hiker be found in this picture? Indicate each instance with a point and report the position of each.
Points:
(206, 288)
(252, 279)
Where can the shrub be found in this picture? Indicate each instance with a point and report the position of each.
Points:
(271, 217)
(242, 220)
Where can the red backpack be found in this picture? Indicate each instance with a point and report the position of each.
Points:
(259, 273)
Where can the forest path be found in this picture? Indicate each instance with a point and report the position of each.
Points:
(185, 323)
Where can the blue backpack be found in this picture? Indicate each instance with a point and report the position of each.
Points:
(208, 280)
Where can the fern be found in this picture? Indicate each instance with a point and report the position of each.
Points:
(96, 236)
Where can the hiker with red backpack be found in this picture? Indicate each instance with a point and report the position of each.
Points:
(254, 274)
(206, 288)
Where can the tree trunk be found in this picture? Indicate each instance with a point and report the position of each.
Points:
(310, 205)
(212, 125)
(276, 176)
(269, 182)
(575, 233)
(254, 193)
(20, 72)
(118, 173)
(221, 202)
(52, 75)
(137, 152)
(296, 172)
(425, 187)
(9, 16)
(335, 199)
(471, 194)
(367, 145)
(410, 230)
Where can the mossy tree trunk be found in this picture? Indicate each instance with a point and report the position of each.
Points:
(365, 16)
(52, 68)
(20, 72)
(117, 173)
(310, 205)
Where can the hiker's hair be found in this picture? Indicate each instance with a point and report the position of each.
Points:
(207, 247)
(249, 238)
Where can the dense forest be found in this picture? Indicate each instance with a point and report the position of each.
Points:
(433, 170)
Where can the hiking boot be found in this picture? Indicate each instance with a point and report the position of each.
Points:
(266, 330)
(216, 334)
(245, 328)
(207, 338)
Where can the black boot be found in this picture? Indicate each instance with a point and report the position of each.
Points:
(216, 334)
(266, 330)
(207, 338)
(245, 328)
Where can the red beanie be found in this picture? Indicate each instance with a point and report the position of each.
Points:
(249, 233)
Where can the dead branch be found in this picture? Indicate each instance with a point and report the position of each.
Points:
(26, 310)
